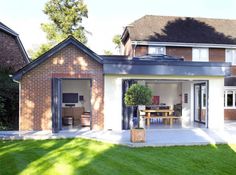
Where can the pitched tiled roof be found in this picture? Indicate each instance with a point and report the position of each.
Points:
(182, 29)
(8, 30)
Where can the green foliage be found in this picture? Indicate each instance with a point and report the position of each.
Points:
(107, 52)
(117, 41)
(66, 18)
(41, 50)
(8, 102)
(138, 95)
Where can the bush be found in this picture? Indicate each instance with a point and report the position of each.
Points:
(138, 95)
(9, 105)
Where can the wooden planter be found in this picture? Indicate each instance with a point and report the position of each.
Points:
(137, 135)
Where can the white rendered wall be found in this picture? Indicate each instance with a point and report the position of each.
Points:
(113, 99)
(112, 103)
(187, 108)
(169, 93)
(216, 104)
(78, 86)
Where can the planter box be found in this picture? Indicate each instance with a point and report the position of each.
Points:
(137, 135)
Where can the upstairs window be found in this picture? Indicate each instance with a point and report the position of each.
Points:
(200, 54)
(230, 56)
(156, 50)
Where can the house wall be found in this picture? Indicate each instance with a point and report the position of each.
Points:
(187, 108)
(216, 103)
(82, 87)
(35, 94)
(140, 50)
(182, 52)
(215, 54)
(113, 100)
(128, 50)
(10, 52)
(169, 93)
(230, 114)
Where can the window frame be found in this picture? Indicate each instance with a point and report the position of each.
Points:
(233, 62)
(149, 47)
(199, 50)
(226, 89)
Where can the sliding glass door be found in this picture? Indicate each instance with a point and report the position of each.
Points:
(200, 102)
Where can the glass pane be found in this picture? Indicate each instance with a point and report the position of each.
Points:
(229, 56)
(233, 57)
(230, 98)
(203, 96)
(153, 50)
(204, 54)
(196, 54)
(224, 98)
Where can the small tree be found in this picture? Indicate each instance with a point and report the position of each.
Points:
(138, 95)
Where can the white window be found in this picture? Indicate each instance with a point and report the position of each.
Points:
(156, 50)
(230, 56)
(230, 97)
(200, 54)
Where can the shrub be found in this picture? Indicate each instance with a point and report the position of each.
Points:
(9, 95)
(138, 95)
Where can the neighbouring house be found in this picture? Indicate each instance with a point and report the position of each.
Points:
(193, 39)
(71, 86)
(12, 53)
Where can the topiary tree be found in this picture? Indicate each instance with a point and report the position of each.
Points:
(138, 95)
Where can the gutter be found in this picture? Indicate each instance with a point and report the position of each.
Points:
(179, 44)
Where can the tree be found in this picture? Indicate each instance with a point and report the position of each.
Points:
(107, 52)
(66, 18)
(9, 101)
(138, 95)
(117, 41)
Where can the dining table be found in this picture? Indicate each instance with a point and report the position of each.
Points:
(158, 113)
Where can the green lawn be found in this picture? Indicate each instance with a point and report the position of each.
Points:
(80, 156)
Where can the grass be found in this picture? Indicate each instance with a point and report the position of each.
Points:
(81, 156)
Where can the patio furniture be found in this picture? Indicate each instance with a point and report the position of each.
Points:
(85, 119)
(165, 114)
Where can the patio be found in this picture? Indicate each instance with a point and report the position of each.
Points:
(154, 137)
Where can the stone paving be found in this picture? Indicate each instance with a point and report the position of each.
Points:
(154, 137)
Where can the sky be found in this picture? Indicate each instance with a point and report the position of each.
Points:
(106, 18)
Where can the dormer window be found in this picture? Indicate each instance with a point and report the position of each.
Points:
(156, 50)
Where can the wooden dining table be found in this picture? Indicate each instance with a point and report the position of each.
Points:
(165, 114)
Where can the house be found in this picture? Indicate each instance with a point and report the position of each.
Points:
(193, 39)
(12, 53)
(70, 84)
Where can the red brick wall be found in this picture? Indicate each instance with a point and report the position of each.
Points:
(182, 52)
(141, 50)
(70, 62)
(216, 55)
(230, 114)
(10, 53)
(128, 50)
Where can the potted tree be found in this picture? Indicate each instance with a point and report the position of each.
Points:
(138, 95)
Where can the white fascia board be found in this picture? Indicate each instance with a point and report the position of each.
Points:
(150, 43)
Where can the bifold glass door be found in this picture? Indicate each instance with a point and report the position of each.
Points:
(200, 102)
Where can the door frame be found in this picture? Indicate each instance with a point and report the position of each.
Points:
(57, 114)
(207, 100)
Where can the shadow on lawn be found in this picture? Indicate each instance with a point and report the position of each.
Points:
(220, 159)
(80, 156)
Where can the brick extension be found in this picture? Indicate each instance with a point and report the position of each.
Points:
(35, 97)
